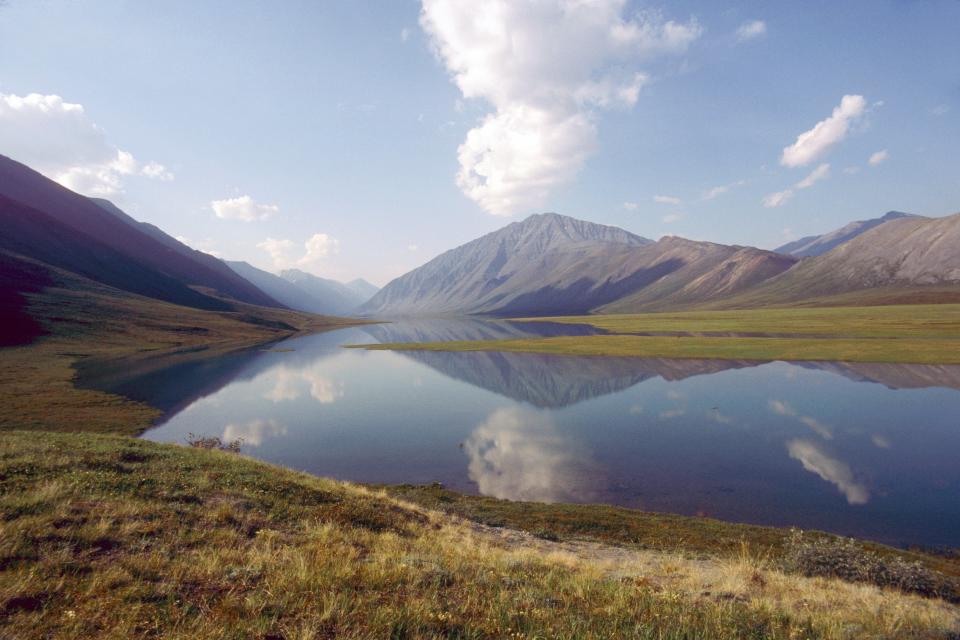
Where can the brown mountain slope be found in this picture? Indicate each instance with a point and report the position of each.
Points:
(909, 254)
(72, 232)
(694, 273)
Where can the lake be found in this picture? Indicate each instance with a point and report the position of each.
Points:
(867, 450)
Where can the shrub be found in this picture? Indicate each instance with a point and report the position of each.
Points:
(844, 558)
(213, 442)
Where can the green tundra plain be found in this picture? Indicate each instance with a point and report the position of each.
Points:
(919, 334)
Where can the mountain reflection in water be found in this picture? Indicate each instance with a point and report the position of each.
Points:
(860, 449)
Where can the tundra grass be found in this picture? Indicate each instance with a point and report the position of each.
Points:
(903, 321)
(111, 537)
(919, 334)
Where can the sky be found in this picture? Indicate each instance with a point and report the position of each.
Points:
(354, 139)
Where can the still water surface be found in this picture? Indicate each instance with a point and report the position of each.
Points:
(859, 449)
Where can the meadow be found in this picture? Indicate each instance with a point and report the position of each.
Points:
(920, 334)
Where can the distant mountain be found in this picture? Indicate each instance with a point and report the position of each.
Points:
(334, 297)
(46, 222)
(363, 288)
(300, 292)
(553, 264)
(908, 253)
(819, 245)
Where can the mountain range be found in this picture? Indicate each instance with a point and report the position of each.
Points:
(819, 245)
(306, 292)
(547, 264)
(551, 264)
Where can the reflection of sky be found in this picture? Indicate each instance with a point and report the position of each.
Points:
(774, 444)
(519, 454)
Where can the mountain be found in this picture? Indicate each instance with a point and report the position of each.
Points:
(295, 294)
(553, 264)
(44, 221)
(334, 297)
(363, 288)
(819, 245)
(908, 254)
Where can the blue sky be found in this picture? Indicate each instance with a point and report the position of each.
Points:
(330, 135)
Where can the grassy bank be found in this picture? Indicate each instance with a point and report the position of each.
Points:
(921, 334)
(110, 537)
(85, 321)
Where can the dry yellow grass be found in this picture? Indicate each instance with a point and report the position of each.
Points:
(110, 537)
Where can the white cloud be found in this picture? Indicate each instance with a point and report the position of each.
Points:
(413, 247)
(852, 170)
(59, 140)
(818, 174)
(543, 93)
(243, 208)
(672, 217)
(666, 200)
(317, 247)
(722, 189)
(279, 250)
(830, 469)
(878, 158)
(631, 206)
(940, 109)
(751, 30)
(781, 197)
(812, 144)
(404, 34)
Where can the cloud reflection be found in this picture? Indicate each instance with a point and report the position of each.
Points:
(518, 454)
(782, 408)
(253, 433)
(830, 469)
(323, 389)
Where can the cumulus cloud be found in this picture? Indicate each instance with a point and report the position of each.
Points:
(58, 139)
(878, 158)
(279, 250)
(544, 66)
(781, 197)
(834, 471)
(316, 248)
(631, 206)
(243, 208)
(666, 200)
(751, 30)
(811, 145)
(518, 454)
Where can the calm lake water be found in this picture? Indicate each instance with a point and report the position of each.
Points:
(859, 449)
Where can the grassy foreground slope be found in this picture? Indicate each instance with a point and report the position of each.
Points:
(111, 537)
(81, 319)
(921, 334)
